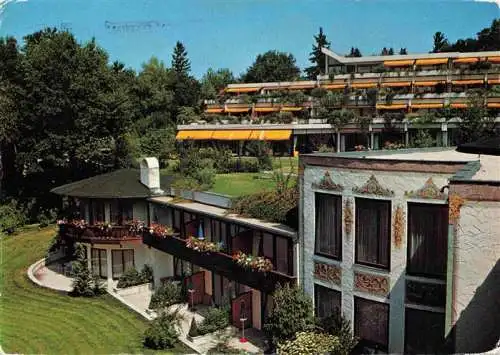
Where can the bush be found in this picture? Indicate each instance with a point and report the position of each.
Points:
(310, 343)
(11, 217)
(323, 148)
(341, 328)
(47, 217)
(243, 165)
(166, 295)
(162, 333)
(215, 319)
(292, 312)
(223, 348)
(132, 277)
(84, 283)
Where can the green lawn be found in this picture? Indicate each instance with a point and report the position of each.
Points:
(37, 320)
(238, 184)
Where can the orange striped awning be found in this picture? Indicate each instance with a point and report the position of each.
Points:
(458, 105)
(301, 86)
(494, 81)
(396, 84)
(194, 135)
(466, 60)
(427, 83)
(391, 107)
(243, 89)
(277, 135)
(467, 82)
(333, 86)
(267, 109)
(493, 104)
(431, 61)
(494, 59)
(429, 105)
(291, 108)
(236, 135)
(398, 63)
(237, 109)
(214, 110)
(363, 85)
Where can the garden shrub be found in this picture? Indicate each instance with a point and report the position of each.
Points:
(292, 312)
(340, 327)
(243, 165)
(11, 217)
(224, 348)
(215, 319)
(310, 343)
(166, 295)
(161, 334)
(84, 283)
(46, 217)
(132, 277)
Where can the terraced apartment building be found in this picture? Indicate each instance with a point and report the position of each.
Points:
(390, 98)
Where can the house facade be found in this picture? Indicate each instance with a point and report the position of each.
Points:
(405, 245)
(131, 218)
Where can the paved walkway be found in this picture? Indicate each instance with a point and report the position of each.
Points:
(51, 276)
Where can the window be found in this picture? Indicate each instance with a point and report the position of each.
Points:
(277, 249)
(99, 262)
(424, 332)
(96, 211)
(122, 261)
(371, 322)
(328, 225)
(427, 239)
(282, 255)
(327, 302)
(121, 211)
(372, 232)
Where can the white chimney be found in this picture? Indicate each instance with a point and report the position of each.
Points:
(150, 175)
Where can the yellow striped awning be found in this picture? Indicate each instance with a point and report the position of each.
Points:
(396, 84)
(214, 110)
(391, 107)
(429, 105)
(291, 108)
(363, 85)
(427, 83)
(493, 104)
(433, 61)
(237, 109)
(466, 82)
(236, 135)
(245, 89)
(466, 60)
(333, 86)
(267, 109)
(193, 135)
(494, 81)
(494, 59)
(277, 135)
(398, 63)
(458, 105)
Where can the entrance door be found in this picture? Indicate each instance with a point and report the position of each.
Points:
(241, 308)
(197, 283)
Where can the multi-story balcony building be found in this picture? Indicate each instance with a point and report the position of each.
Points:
(406, 245)
(130, 218)
(392, 97)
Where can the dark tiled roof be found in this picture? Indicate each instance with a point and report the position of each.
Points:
(123, 183)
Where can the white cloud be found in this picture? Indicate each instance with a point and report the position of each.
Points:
(491, 1)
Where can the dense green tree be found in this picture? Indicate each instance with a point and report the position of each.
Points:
(355, 52)
(403, 51)
(213, 82)
(488, 39)
(475, 121)
(272, 66)
(316, 57)
(387, 51)
(440, 42)
(180, 61)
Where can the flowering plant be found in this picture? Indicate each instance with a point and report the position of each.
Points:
(136, 226)
(160, 230)
(61, 221)
(102, 225)
(202, 245)
(259, 263)
(78, 223)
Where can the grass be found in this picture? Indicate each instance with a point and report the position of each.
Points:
(238, 184)
(37, 320)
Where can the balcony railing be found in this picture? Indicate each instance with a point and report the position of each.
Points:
(99, 234)
(221, 263)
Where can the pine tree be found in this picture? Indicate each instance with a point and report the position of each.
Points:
(391, 51)
(355, 52)
(403, 51)
(384, 51)
(180, 61)
(317, 58)
(440, 42)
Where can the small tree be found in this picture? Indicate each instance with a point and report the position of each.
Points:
(162, 333)
(83, 281)
(316, 57)
(292, 312)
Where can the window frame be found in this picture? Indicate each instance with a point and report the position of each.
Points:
(338, 225)
(409, 269)
(318, 287)
(388, 203)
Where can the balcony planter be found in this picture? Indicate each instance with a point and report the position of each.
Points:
(254, 263)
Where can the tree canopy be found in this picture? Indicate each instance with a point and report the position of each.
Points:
(355, 52)
(213, 81)
(272, 66)
(488, 39)
(180, 61)
(316, 57)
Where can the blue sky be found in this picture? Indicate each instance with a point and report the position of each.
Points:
(230, 33)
